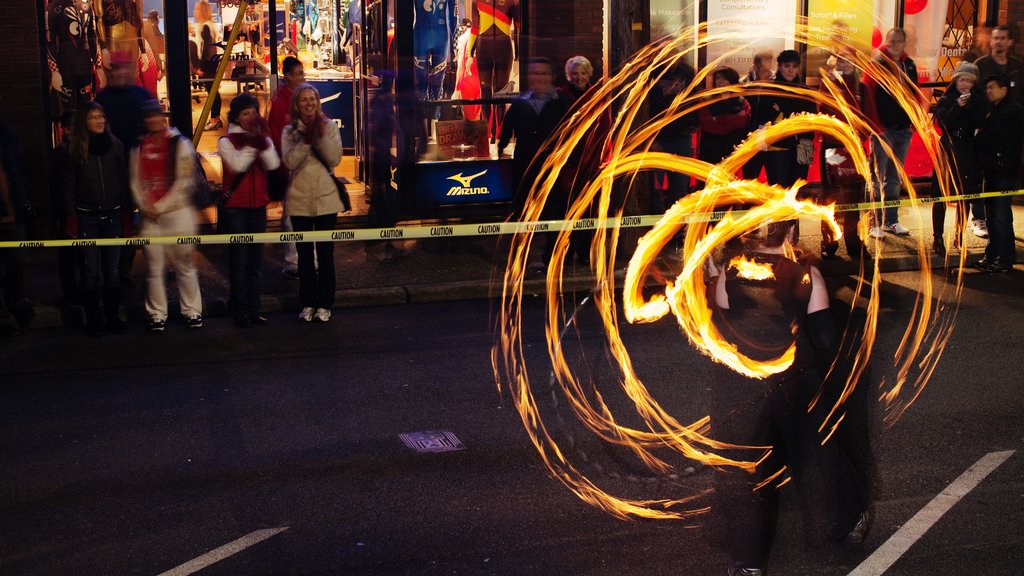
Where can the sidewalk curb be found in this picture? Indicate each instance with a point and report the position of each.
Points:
(50, 315)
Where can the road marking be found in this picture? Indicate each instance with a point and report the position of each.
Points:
(218, 554)
(887, 554)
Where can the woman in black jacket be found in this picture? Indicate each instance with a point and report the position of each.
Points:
(95, 190)
(959, 112)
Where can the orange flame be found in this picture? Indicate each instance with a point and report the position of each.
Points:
(630, 142)
(751, 269)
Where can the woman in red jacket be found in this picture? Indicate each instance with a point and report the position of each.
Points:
(725, 122)
(248, 154)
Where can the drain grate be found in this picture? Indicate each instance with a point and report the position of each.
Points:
(431, 441)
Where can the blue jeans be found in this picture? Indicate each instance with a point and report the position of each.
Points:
(999, 211)
(246, 260)
(886, 171)
(99, 264)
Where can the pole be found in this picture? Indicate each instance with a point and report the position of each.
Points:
(215, 86)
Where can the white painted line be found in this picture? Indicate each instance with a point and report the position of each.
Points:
(218, 554)
(887, 554)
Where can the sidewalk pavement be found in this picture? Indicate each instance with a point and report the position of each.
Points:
(431, 270)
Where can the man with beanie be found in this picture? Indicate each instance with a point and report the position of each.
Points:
(892, 123)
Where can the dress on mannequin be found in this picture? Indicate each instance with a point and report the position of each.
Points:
(492, 45)
(72, 50)
(433, 29)
(120, 26)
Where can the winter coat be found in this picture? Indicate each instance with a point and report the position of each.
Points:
(313, 191)
(239, 153)
(100, 184)
(179, 194)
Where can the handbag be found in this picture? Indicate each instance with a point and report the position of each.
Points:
(804, 151)
(839, 167)
(346, 201)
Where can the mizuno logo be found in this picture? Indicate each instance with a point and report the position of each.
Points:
(466, 181)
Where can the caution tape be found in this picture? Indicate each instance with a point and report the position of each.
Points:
(449, 230)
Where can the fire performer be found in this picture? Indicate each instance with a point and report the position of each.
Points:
(766, 293)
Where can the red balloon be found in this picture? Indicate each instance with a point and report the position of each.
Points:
(876, 38)
(914, 6)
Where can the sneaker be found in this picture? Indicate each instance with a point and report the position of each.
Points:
(998, 268)
(156, 325)
(213, 124)
(306, 315)
(860, 529)
(897, 229)
(322, 315)
(876, 232)
(746, 572)
(980, 264)
(195, 321)
(980, 228)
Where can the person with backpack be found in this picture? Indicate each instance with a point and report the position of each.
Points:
(162, 175)
(248, 155)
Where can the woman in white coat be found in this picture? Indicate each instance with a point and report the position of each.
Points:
(311, 148)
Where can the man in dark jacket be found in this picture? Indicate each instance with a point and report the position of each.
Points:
(893, 125)
(998, 146)
(531, 119)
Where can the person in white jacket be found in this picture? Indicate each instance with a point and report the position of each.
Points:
(248, 155)
(311, 148)
(162, 189)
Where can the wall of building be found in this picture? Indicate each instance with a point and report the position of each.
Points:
(21, 91)
(561, 29)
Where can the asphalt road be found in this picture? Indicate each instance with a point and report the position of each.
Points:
(138, 454)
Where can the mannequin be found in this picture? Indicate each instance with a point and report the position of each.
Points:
(492, 45)
(72, 50)
(120, 29)
(433, 29)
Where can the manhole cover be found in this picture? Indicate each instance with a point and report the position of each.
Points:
(432, 441)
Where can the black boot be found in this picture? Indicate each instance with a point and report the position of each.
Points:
(111, 309)
(93, 314)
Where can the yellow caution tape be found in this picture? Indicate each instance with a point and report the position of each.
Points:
(447, 230)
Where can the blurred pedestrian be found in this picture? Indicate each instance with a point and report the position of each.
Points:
(162, 180)
(676, 137)
(67, 256)
(15, 310)
(840, 181)
(311, 147)
(122, 102)
(585, 160)
(960, 113)
(999, 145)
(531, 119)
(724, 122)
(760, 71)
(280, 116)
(892, 124)
(249, 155)
(95, 197)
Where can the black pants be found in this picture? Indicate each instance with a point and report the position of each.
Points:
(316, 279)
(246, 260)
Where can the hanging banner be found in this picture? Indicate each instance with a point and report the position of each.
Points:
(925, 23)
(772, 20)
(830, 21)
